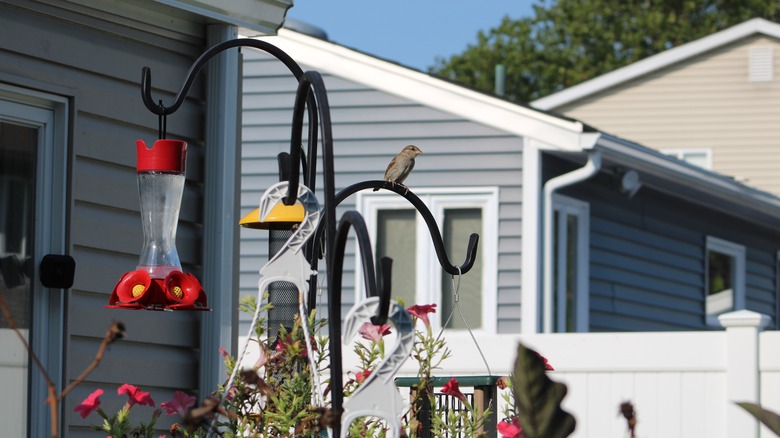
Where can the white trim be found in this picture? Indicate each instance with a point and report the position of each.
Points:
(738, 287)
(531, 243)
(680, 153)
(438, 199)
(581, 210)
(658, 61)
(420, 87)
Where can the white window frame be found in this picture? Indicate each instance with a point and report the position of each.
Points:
(680, 155)
(49, 113)
(736, 251)
(428, 286)
(566, 206)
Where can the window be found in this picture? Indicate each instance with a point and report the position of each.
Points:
(571, 223)
(417, 278)
(724, 274)
(697, 157)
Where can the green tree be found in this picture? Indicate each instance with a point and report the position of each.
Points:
(570, 41)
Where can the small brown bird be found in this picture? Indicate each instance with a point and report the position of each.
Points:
(401, 165)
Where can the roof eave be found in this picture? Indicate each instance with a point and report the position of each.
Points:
(264, 16)
(693, 183)
(658, 61)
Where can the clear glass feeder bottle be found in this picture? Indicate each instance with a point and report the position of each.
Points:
(161, 171)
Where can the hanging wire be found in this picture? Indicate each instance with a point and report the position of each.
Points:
(456, 299)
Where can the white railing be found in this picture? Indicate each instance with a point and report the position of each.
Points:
(682, 384)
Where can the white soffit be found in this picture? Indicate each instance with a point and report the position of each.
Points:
(659, 61)
(436, 93)
(265, 16)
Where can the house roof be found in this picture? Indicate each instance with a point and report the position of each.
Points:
(658, 61)
(550, 132)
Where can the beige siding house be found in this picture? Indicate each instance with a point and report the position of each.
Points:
(713, 102)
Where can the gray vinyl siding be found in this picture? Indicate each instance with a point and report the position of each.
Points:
(371, 126)
(97, 63)
(647, 258)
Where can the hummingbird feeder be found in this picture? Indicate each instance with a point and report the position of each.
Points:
(158, 282)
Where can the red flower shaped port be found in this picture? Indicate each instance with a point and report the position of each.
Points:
(452, 388)
(373, 332)
(180, 403)
(135, 395)
(421, 312)
(509, 429)
(89, 404)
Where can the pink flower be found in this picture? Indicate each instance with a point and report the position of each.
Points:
(547, 366)
(509, 429)
(361, 376)
(422, 311)
(180, 403)
(452, 388)
(503, 382)
(262, 359)
(135, 395)
(90, 403)
(224, 352)
(373, 332)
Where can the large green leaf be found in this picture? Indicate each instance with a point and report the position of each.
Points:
(538, 399)
(767, 418)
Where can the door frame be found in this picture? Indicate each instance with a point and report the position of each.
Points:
(51, 113)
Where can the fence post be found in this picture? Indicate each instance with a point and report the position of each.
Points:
(742, 373)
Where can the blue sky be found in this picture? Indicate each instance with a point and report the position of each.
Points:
(411, 32)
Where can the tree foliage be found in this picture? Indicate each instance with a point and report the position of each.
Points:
(566, 42)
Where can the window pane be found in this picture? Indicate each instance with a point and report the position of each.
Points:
(698, 158)
(459, 224)
(17, 176)
(397, 239)
(720, 280)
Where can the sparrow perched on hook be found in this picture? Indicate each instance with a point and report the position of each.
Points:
(401, 165)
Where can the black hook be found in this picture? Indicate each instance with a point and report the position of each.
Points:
(163, 110)
(355, 220)
(433, 228)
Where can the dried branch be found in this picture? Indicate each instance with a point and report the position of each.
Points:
(115, 332)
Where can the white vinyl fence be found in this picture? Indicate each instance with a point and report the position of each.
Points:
(682, 384)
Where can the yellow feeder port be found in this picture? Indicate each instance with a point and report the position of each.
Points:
(281, 217)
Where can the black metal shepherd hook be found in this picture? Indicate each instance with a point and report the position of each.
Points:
(311, 97)
(370, 278)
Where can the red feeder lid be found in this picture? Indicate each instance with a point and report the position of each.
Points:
(164, 155)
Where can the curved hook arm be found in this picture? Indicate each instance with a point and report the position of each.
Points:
(355, 220)
(164, 110)
(438, 243)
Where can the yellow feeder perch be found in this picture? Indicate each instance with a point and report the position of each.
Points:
(281, 217)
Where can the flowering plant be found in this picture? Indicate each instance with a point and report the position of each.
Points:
(119, 425)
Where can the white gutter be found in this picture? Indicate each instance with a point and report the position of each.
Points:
(589, 169)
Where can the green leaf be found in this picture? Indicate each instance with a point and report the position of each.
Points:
(767, 418)
(538, 399)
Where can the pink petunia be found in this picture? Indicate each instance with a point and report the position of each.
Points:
(135, 395)
(180, 403)
(90, 403)
(373, 332)
(360, 376)
(509, 429)
(547, 366)
(452, 388)
(421, 312)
